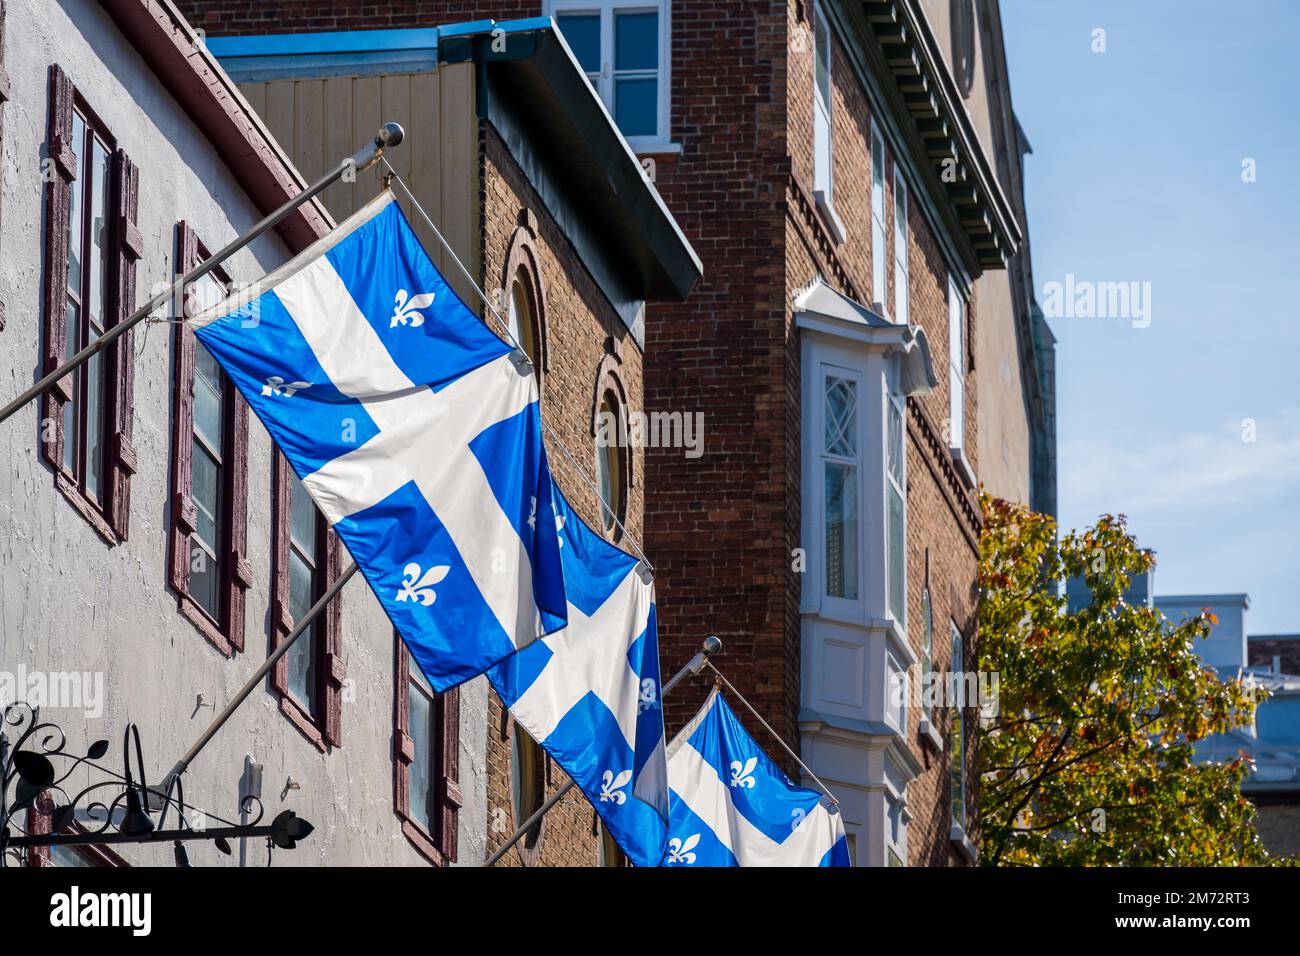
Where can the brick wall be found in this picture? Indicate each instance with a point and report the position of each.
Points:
(580, 329)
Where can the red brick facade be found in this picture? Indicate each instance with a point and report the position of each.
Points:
(723, 529)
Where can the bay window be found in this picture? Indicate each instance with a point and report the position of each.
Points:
(901, 269)
(840, 464)
(879, 251)
(624, 48)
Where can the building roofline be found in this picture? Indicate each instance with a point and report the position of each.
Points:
(190, 73)
(1242, 599)
(526, 55)
(891, 40)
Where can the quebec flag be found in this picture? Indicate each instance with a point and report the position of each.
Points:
(590, 694)
(413, 430)
(730, 805)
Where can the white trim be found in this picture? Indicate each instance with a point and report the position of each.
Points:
(603, 82)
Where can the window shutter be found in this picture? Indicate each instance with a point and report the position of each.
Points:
(130, 247)
(449, 794)
(62, 169)
(281, 623)
(184, 514)
(241, 573)
(335, 671)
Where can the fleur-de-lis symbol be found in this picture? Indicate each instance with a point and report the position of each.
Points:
(742, 775)
(405, 310)
(559, 527)
(275, 386)
(532, 513)
(417, 587)
(649, 695)
(679, 850)
(611, 787)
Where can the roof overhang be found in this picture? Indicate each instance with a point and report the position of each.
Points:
(172, 49)
(900, 63)
(819, 308)
(525, 69)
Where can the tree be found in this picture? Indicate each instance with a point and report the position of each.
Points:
(1089, 759)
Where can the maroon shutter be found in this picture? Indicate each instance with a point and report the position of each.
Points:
(4, 98)
(184, 514)
(121, 355)
(335, 671)
(449, 794)
(281, 622)
(241, 573)
(60, 172)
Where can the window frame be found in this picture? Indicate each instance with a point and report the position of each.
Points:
(957, 737)
(844, 605)
(225, 632)
(902, 263)
(879, 221)
(108, 512)
(529, 846)
(437, 845)
(895, 403)
(604, 81)
(610, 386)
(957, 323)
(40, 822)
(325, 727)
(823, 107)
(523, 266)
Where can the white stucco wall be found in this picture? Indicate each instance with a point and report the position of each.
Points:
(68, 602)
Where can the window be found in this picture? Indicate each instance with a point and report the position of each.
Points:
(956, 366)
(896, 693)
(426, 762)
(927, 652)
(896, 507)
(879, 281)
(822, 98)
(900, 248)
(962, 17)
(957, 743)
(895, 831)
(39, 823)
(91, 246)
(209, 569)
(610, 853)
(840, 465)
(524, 295)
(306, 561)
(611, 464)
(624, 48)
(527, 790)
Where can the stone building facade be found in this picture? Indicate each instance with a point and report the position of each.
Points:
(851, 215)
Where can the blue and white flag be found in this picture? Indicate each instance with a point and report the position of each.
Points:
(590, 694)
(413, 429)
(730, 805)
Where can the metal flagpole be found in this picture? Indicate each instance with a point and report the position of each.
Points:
(806, 768)
(250, 685)
(696, 664)
(390, 135)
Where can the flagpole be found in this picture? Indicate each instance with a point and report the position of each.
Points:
(696, 664)
(250, 685)
(390, 135)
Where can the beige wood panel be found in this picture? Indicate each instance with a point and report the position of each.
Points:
(319, 122)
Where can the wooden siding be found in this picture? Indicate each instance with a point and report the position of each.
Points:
(320, 121)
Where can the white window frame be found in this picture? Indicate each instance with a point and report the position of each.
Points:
(879, 234)
(895, 829)
(603, 81)
(957, 666)
(895, 402)
(956, 367)
(852, 606)
(823, 164)
(902, 270)
(896, 689)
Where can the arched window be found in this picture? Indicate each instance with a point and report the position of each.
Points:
(611, 463)
(527, 790)
(962, 15)
(524, 295)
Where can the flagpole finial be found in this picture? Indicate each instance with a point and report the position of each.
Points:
(712, 645)
(390, 135)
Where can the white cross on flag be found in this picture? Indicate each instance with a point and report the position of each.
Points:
(414, 429)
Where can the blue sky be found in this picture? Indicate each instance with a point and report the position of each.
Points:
(1136, 176)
